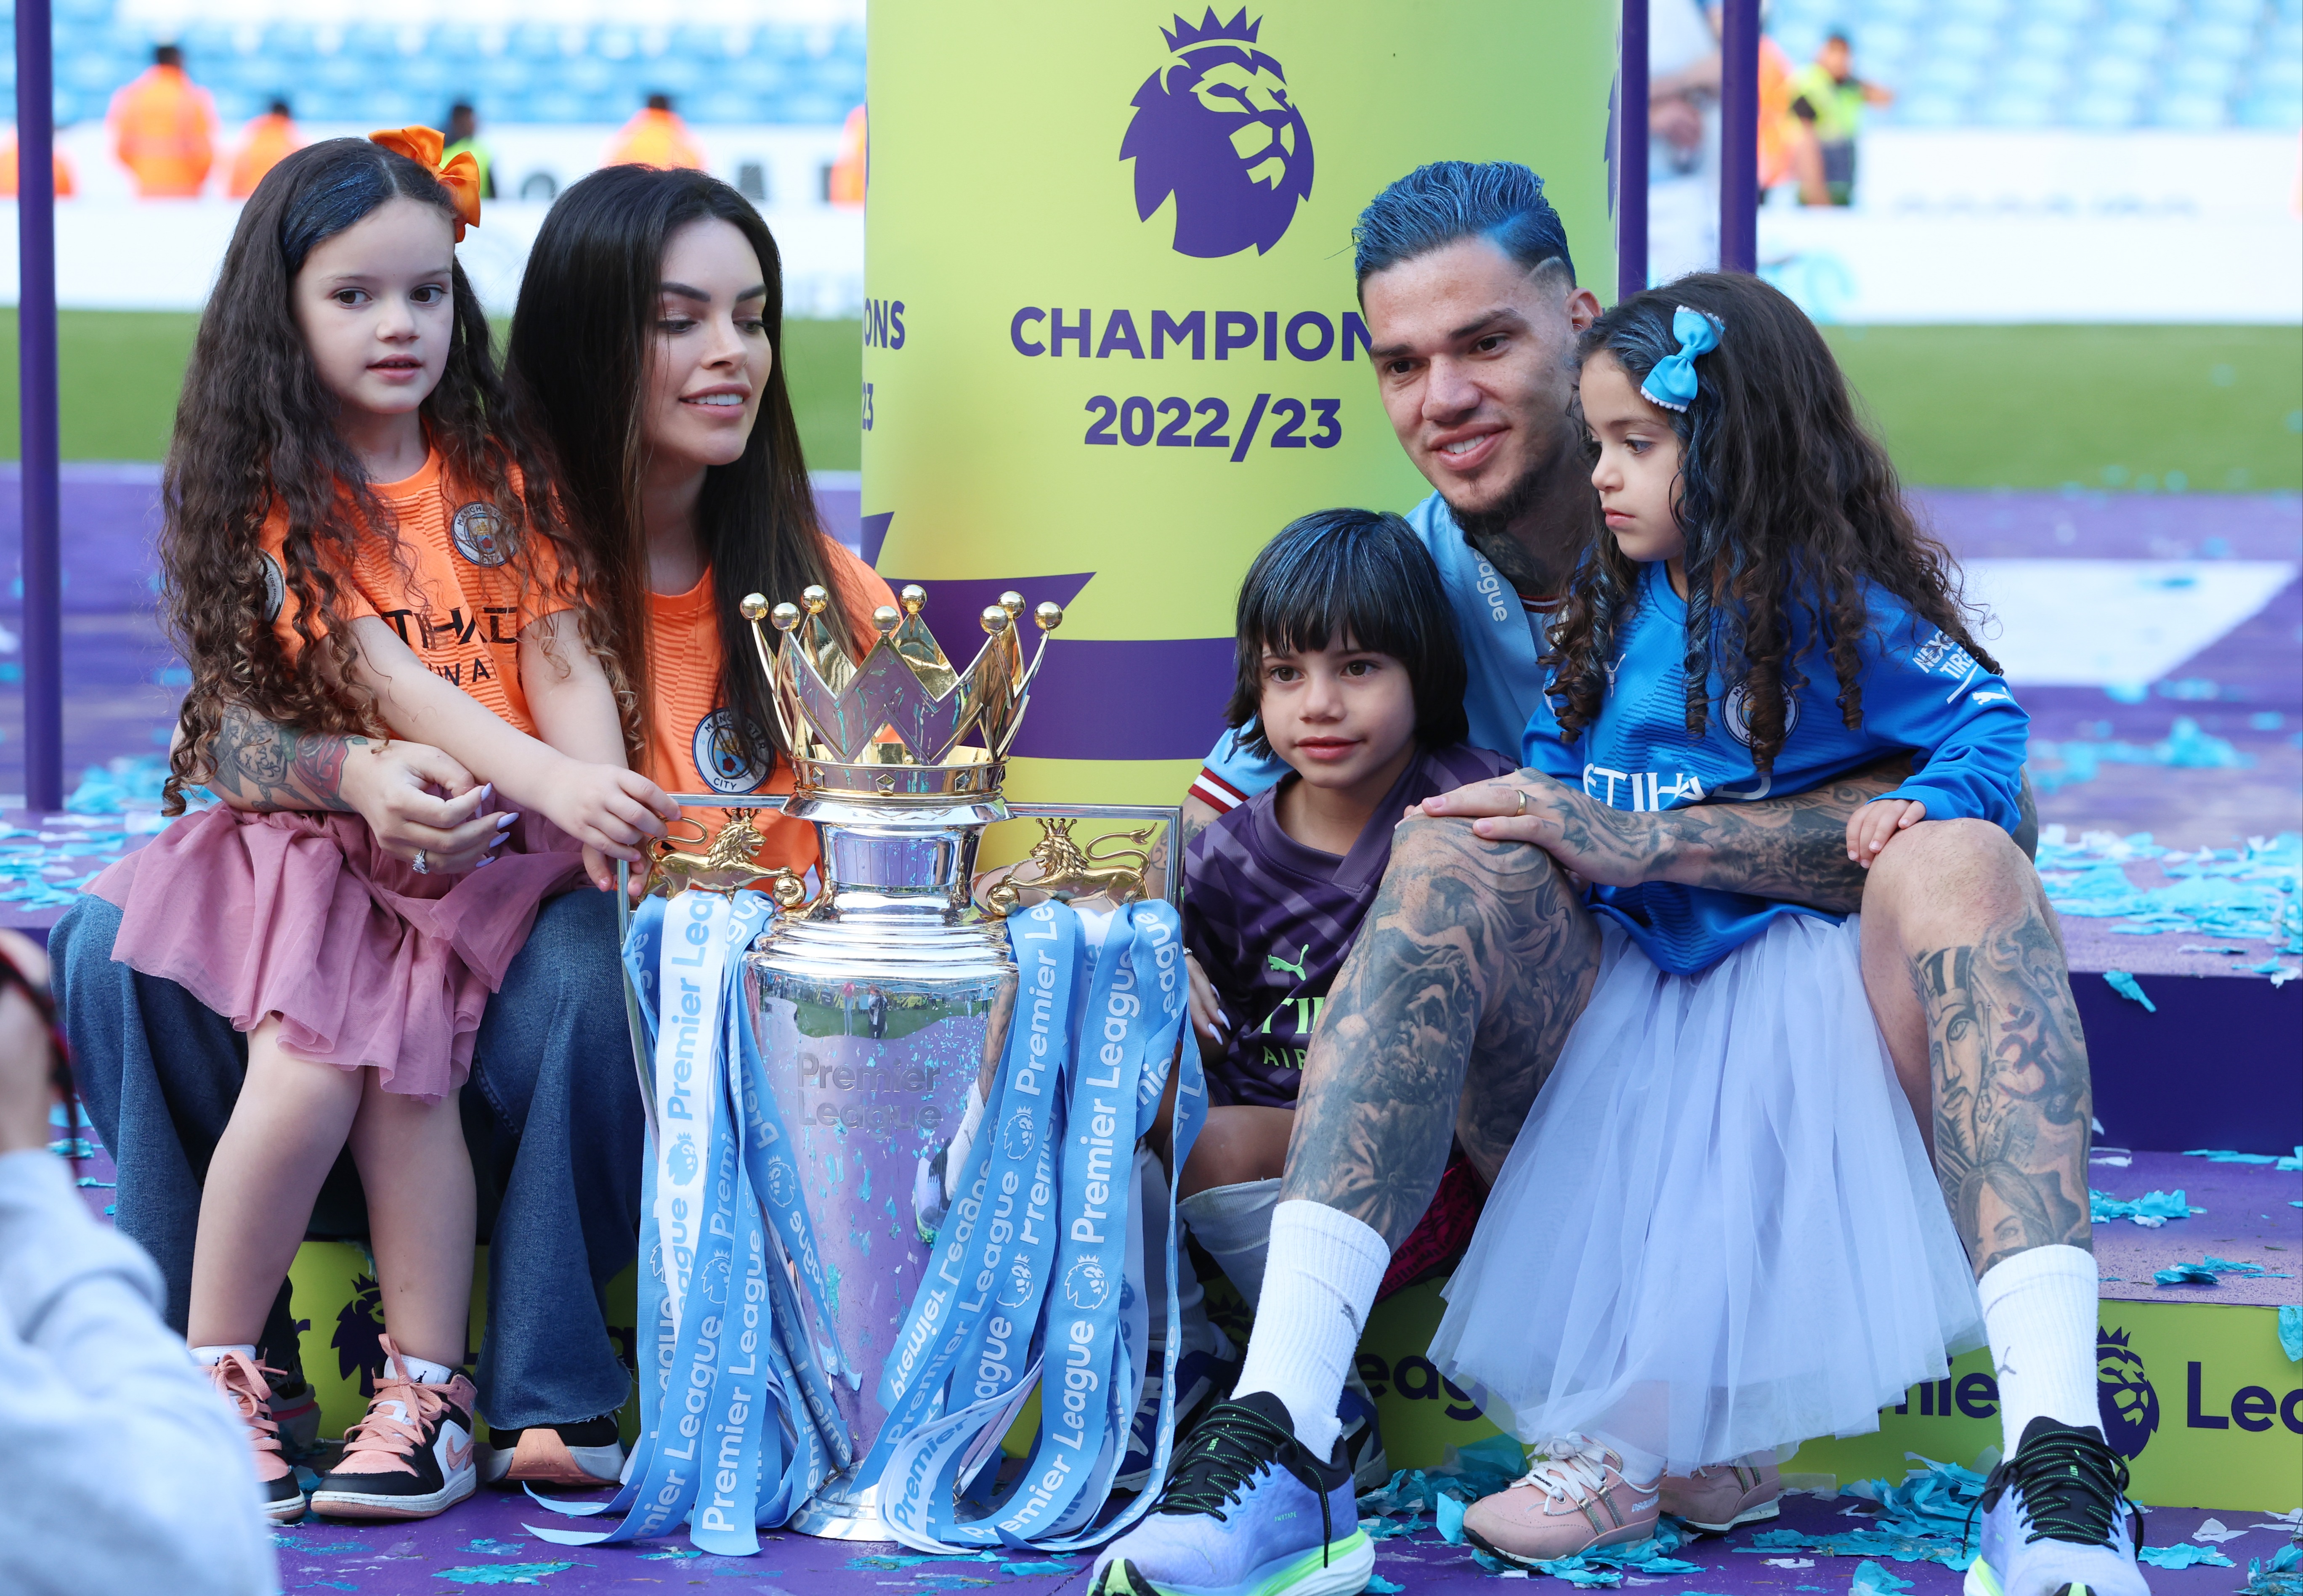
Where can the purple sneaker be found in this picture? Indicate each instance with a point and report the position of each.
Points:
(1247, 1512)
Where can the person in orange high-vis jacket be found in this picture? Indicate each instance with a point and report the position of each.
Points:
(655, 137)
(66, 185)
(163, 128)
(848, 166)
(265, 142)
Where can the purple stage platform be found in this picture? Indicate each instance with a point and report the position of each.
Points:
(484, 1542)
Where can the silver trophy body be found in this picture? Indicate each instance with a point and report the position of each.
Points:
(876, 1013)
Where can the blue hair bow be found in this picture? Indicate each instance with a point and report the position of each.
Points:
(1672, 383)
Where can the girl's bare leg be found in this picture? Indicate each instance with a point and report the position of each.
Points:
(288, 1126)
(421, 1213)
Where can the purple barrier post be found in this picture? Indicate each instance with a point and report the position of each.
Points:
(35, 337)
(1631, 154)
(1739, 138)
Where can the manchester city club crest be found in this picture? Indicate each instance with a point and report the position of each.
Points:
(1736, 713)
(479, 537)
(1216, 127)
(724, 763)
(275, 588)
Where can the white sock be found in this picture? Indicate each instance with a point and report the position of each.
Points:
(1320, 1281)
(1233, 1224)
(1199, 1332)
(210, 1356)
(2040, 1312)
(423, 1371)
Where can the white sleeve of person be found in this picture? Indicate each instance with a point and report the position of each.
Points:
(119, 1468)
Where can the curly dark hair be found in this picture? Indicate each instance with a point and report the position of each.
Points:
(254, 430)
(1791, 510)
(577, 366)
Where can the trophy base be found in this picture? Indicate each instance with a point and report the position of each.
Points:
(839, 1512)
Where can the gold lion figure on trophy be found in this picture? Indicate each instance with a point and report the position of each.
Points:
(1067, 871)
(723, 867)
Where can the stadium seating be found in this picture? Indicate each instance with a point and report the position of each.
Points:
(2087, 63)
(534, 67)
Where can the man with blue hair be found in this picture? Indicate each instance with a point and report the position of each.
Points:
(1479, 953)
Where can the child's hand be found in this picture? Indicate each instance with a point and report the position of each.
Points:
(1207, 1014)
(601, 872)
(607, 808)
(1873, 826)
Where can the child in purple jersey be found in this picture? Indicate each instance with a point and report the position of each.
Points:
(1351, 674)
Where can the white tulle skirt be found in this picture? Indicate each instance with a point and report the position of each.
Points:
(1718, 1230)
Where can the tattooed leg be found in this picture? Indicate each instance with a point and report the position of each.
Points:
(1966, 974)
(1475, 960)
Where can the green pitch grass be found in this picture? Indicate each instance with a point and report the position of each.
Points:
(2155, 408)
(119, 371)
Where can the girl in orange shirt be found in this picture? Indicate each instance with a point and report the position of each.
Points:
(348, 547)
(643, 359)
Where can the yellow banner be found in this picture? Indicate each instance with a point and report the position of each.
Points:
(1112, 343)
(2200, 1399)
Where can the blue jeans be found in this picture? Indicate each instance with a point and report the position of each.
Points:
(553, 1111)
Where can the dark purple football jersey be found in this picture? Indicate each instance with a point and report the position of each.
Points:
(1270, 920)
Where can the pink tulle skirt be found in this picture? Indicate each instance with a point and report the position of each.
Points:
(304, 915)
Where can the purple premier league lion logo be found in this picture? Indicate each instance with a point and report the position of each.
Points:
(2124, 1399)
(1216, 127)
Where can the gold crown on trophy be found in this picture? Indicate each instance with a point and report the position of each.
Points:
(891, 724)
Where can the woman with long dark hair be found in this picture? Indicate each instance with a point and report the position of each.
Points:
(644, 371)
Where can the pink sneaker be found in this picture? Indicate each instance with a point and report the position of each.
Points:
(243, 1383)
(1726, 1494)
(411, 1456)
(1574, 1498)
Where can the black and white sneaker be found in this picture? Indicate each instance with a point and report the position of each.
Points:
(2056, 1520)
(411, 1456)
(580, 1455)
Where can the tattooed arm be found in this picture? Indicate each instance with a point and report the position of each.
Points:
(413, 796)
(1793, 849)
(258, 764)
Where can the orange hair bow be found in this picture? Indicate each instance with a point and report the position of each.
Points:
(460, 177)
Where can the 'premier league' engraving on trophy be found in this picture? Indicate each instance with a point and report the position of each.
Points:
(881, 1002)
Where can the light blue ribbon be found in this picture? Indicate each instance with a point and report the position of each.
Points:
(1039, 1263)
(1672, 383)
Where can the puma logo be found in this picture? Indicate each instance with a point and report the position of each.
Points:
(460, 1454)
(1295, 969)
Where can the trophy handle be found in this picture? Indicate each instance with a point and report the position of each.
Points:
(671, 868)
(1116, 866)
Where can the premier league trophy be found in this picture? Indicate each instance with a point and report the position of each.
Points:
(881, 1003)
(895, 1183)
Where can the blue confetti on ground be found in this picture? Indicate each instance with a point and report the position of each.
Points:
(1871, 1577)
(2183, 1555)
(2204, 1272)
(2249, 893)
(2127, 986)
(503, 1573)
(2151, 1211)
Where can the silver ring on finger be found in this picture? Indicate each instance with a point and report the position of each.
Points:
(422, 862)
(1522, 809)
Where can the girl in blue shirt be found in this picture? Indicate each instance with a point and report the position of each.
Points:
(1719, 1232)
